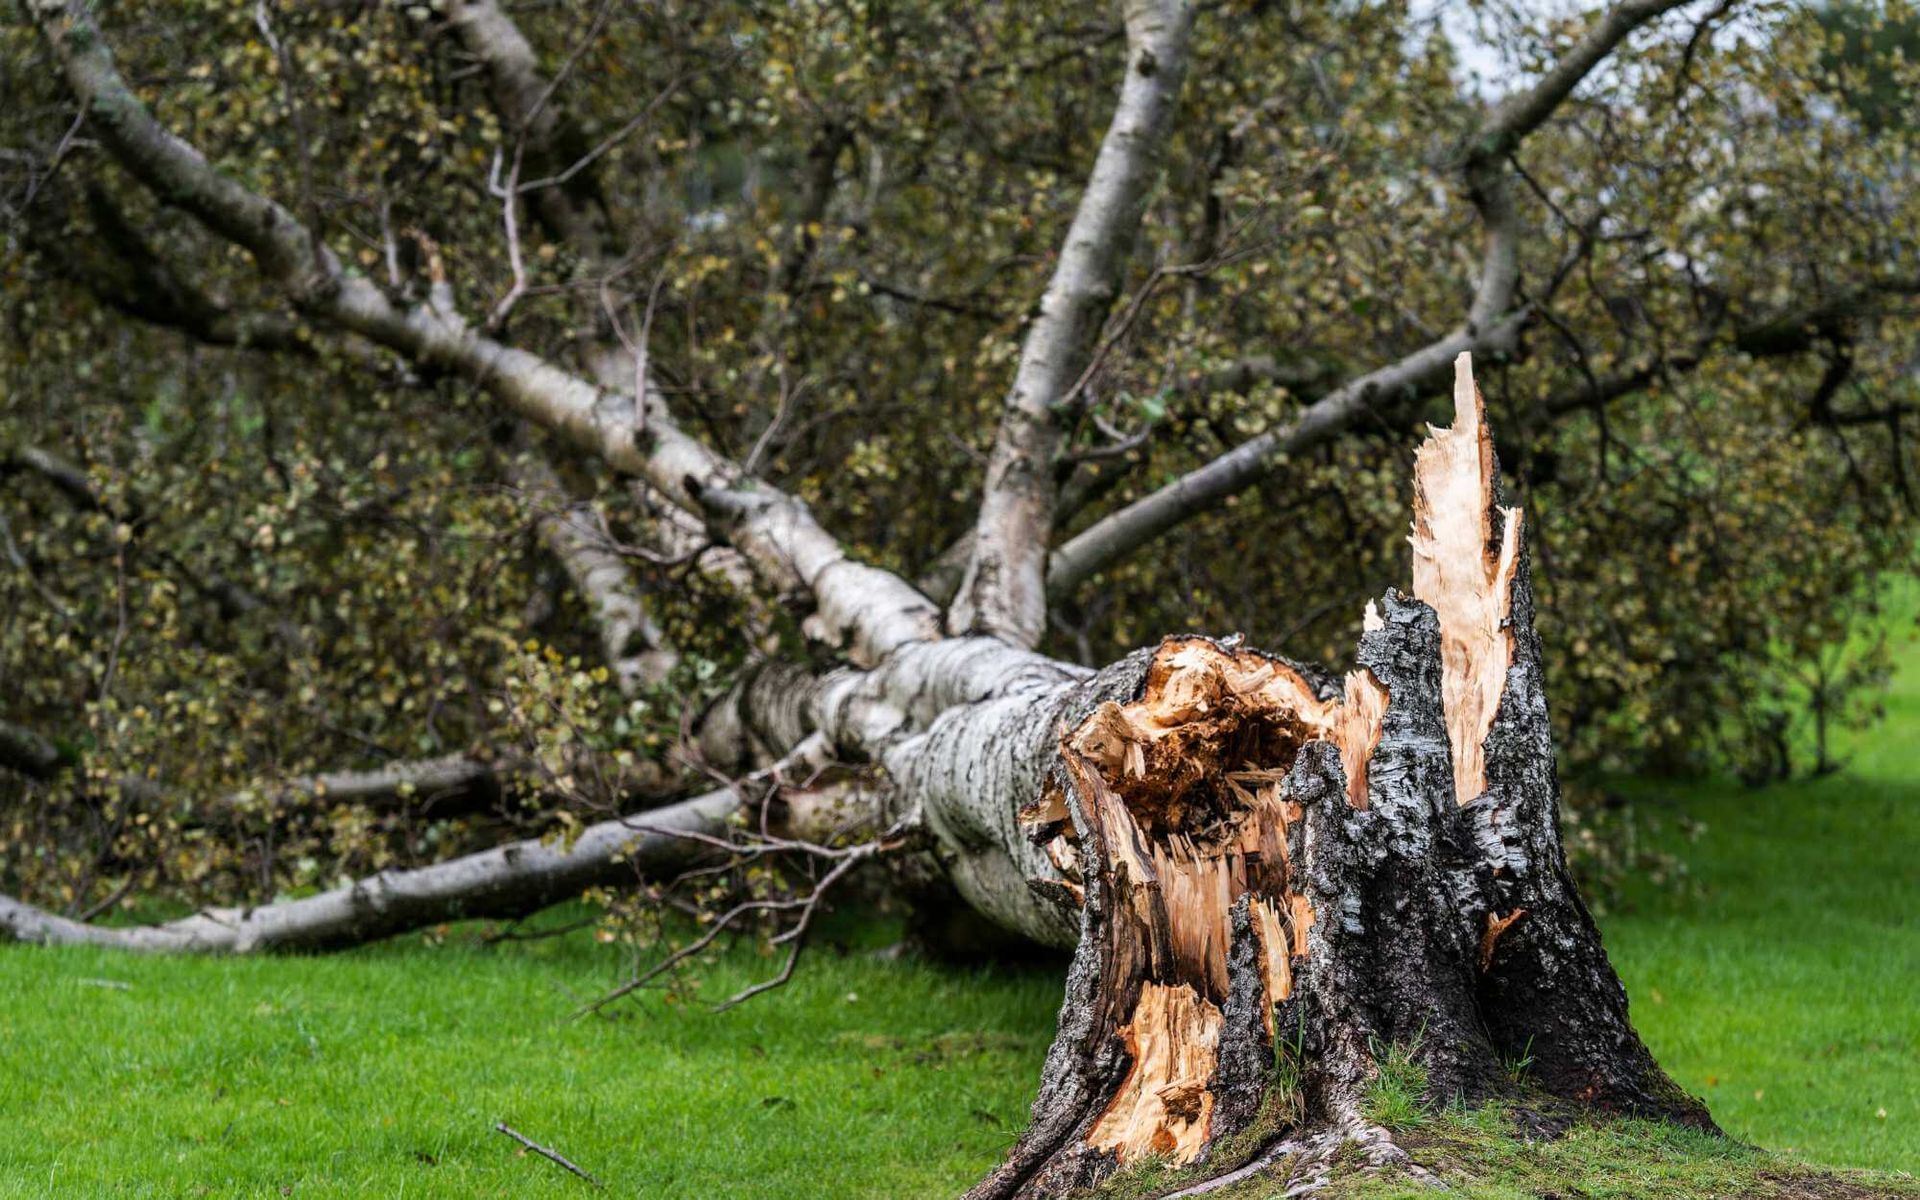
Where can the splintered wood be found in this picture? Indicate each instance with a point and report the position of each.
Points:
(1490, 940)
(1184, 793)
(1163, 1106)
(1187, 787)
(1277, 951)
(1465, 576)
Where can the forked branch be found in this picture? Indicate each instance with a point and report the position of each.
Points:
(798, 909)
(1003, 591)
(1493, 325)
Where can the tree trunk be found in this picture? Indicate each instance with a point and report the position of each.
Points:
(1279, 880)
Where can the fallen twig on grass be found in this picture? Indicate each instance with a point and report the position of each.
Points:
(550, 1155)
(512, 933)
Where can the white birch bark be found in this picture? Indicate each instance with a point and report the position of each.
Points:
(1003, 591)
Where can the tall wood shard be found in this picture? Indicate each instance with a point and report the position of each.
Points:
(1265, 861)
(1464, 572)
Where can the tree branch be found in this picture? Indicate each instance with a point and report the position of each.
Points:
(452, 782)
(232, 599)
(506, 881)
(1002, 591)
(869, 610)
(633, 646)
(1523, 112)
(1491, 325)
(123, 269)
(523, 99)
(1118, 534)
(155, 293)
(1782, 335)
(940, 579)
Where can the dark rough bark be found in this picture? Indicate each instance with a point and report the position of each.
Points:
(1391, 956)
(1246, 1050)
(1549, 992)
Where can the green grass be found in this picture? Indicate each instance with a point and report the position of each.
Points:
(1785, 988)
(381, 1073)
(1784, 985)
(1397, 1096)
(1497, 1152)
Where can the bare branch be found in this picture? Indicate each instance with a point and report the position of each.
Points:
(752, 847)
(1003, 590)
(506, 881)
(448, 782)
(941, 578)
(1797, 331)
(634, 647)
(522, 96)
(552, 1156)
(509, 194)
(1523, 112)
(1120, 533)
(632, 644)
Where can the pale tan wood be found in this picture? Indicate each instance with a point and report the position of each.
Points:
(1187, 789)
(1465, 574)
(1163, 1106)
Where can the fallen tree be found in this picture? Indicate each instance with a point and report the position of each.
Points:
(1252, 860)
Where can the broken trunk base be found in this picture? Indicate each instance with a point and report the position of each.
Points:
(1285, 884)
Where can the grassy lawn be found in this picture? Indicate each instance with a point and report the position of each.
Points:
(383, 1071)
(1788, 995)
(1785, 989)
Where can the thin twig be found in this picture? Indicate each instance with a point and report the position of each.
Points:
(297, 113)
(632, 125)
(514, 934)
(788, 395)
(549, 1155)
(59, 155)
(844, 859)
(510, 219)
(120, 618)
(114, 897)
